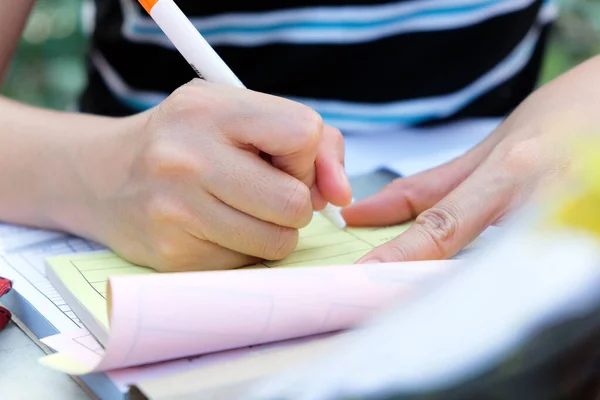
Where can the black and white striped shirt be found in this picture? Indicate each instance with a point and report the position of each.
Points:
(363, 65)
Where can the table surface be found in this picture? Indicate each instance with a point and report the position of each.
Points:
(23, 378)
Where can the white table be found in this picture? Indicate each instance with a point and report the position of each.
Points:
(23, 378)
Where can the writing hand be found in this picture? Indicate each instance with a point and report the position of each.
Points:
(214, 177)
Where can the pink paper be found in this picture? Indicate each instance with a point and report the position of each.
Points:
(80, 345)
(158, 317)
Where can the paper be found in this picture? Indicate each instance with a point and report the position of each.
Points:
(321, 243)
(22, 259)
(250, 365)
(83, 279)
(34, 300)
(83, 345)
(24, 263)
(527, 285)
(157, 317)
(14, 237)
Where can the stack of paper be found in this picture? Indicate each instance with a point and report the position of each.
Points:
(138, 317)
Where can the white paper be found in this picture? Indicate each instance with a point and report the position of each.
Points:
(23, 261)
(13, 237)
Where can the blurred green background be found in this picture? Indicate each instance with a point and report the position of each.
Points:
(48, 69)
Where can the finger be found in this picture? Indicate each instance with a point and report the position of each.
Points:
(405, 198)
(246, 182)
(216, 222)
(170, 248)
(192, 254)
(318, 201)
(208, 256)
(454, 222)
(332, 185)
(287, 130)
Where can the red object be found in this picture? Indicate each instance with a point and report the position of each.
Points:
(5, 286)
(5, 315)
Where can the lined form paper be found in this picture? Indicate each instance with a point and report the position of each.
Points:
(315, 290)
(83, 278)
(159, 317)
(23, 252)
(321, 243)
(14, 237)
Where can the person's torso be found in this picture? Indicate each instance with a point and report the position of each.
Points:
(361, 64)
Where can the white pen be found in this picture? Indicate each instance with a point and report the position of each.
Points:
(205, 61)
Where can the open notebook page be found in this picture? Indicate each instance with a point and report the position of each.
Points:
(157, 317)
(82, 278)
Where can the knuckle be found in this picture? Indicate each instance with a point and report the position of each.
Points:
(195, 82)
(312, 126)
(169, 255)
(176, 100)
(186, 91)
(336, 136)
(397, 251)
(439, 226)
(520, 156)
(163, 160)
(187, 101)
(297, 205)
(161, 209)
(408, 192)
(280, 242)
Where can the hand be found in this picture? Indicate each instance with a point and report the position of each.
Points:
(455, 202)
(213, 178)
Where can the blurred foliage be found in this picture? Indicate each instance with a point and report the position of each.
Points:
(575, 38)
(49, 69)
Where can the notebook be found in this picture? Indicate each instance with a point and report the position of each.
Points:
(137, 316)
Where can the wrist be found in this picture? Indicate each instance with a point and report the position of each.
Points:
(96, 164)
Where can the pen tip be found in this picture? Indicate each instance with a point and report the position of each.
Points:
(333, 215)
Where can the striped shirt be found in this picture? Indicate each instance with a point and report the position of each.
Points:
(363, 65)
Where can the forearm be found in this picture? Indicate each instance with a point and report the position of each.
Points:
(13, 16)
(49, 160)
